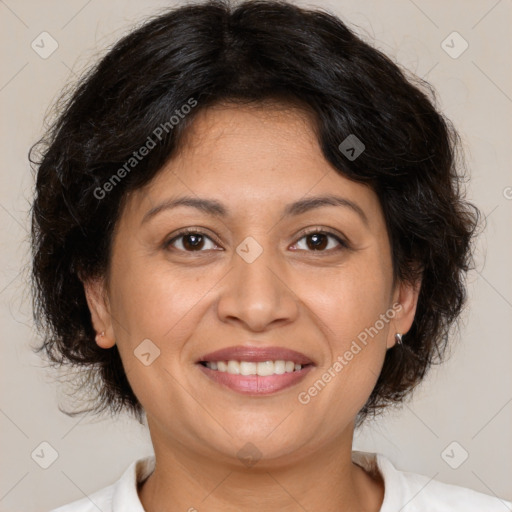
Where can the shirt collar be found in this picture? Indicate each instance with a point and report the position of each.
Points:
(125, 496)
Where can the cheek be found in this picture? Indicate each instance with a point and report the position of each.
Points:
(351, 311)
(352, 300)
(155, 300)
(165, 306)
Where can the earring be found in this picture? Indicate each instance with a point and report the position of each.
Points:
(100, 335)
(398, 338)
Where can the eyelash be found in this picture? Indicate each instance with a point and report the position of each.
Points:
(344, 245)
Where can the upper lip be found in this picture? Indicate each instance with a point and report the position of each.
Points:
(256, 355)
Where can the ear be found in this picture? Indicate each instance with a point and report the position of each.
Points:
(405, 300)
(97, 300)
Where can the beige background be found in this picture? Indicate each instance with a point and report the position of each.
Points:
(468, 400)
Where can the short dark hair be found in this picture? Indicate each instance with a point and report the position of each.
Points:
(248, 53)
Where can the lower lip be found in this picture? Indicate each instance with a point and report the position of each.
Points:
(255, 384)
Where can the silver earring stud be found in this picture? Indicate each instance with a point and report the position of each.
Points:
(398, 338)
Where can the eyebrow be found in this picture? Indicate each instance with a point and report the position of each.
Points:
(215, 208)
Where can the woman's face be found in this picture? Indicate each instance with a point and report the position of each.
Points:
(257, 276)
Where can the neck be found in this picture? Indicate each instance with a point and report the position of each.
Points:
(325, 479)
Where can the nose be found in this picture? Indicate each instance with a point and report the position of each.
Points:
(256, 294)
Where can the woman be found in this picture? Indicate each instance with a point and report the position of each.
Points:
(255, 239)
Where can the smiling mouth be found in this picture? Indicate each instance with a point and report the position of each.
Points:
(248, 368)
(255, 370)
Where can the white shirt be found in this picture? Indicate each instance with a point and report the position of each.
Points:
(403, 491)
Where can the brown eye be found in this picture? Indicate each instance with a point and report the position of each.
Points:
(317, 241)
(322, 241)
(191, 241)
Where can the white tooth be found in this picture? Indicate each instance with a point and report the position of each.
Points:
(279, 367)
(234, 367)
(247, 368)
(265, 368)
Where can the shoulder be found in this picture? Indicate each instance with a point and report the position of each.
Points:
(119, 496)
(413, 492)
(99, 500)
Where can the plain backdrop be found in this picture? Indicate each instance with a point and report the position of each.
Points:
(464, 408)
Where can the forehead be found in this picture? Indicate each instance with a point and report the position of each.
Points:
(247, 156)
(245, 141)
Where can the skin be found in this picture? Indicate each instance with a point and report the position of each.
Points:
(190, 302)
